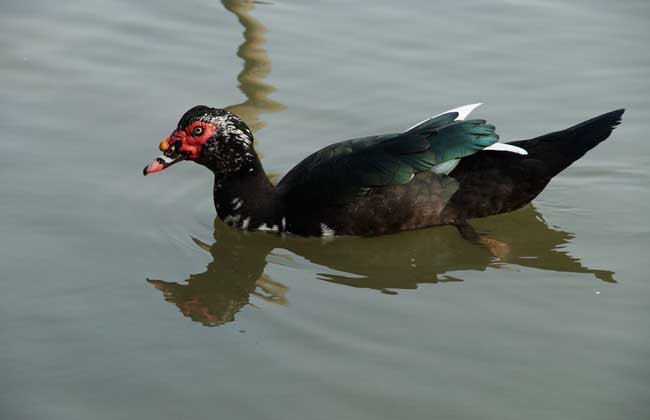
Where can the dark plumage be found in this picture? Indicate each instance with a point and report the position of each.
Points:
(445, 170)
(493, 183)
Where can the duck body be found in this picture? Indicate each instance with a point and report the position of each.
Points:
(444, 170)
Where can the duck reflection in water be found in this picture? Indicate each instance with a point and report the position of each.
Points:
(386, 263)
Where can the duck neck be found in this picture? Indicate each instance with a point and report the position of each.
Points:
(246, 199)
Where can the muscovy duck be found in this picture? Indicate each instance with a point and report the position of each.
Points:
(445, 170)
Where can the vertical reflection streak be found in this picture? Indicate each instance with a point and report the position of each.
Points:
(257, 67)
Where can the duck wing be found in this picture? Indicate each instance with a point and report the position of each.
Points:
(342, 171)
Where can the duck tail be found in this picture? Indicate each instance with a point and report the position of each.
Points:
(561, 148)
(493, 182)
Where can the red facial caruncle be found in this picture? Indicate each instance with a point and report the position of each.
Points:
(191, 140)
(183, 143)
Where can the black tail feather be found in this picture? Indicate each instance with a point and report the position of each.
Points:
(498, 182)
(561, 148)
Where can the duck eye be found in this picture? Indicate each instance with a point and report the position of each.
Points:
(197, 131)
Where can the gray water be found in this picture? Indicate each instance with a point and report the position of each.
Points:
(122, 298)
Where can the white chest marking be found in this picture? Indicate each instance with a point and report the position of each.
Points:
(264, 227)
(232, 219)
(236, 203)
(326, 231)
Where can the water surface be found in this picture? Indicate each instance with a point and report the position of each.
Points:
(122, 297)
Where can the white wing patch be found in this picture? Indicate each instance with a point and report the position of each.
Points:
(446, 167)
(503, 147)
(463, 112)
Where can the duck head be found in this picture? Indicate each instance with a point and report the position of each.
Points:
(212, 137)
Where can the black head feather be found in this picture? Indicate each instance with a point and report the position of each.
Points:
(200, 113)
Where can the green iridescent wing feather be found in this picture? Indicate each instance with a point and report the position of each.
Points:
(345, 169)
